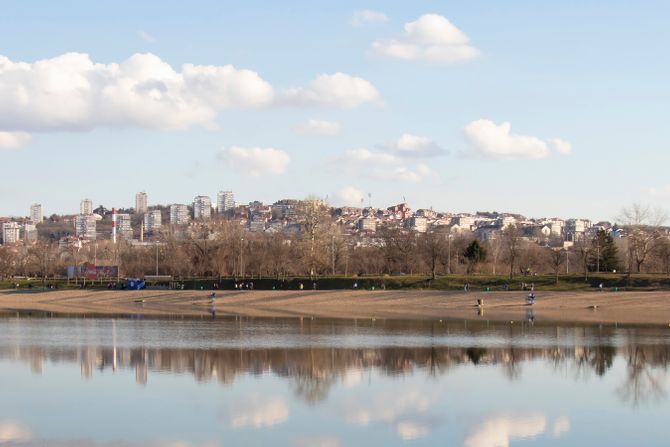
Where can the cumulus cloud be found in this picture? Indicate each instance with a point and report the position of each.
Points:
(256, 161)
(499, 431)
(365, 16)
(13, 140)
(661, 192)
(334, 90)
(431, 38)
(353, 376)
(561, 146)
(409, 145)
(145, 36)
(71, 92)
(318, 127)
(380, 165)
(258, 411)
(491, 140)
(405, 411)
(14, 431)
(349, 196)
(325, 441)
(409, 430)
(562, 425)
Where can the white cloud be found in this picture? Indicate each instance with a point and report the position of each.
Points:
(318, 442)
(499, 431)
(661, 192)
(380, 165)
(360, 18)
(258, 411)
(353, 376)
(407, 412)
(561, 146)
(430, 38)
(349, 196)
(13, 140)
(256, 161)
(148, 38)
(388, 407)
(14, 431)
(318, 127)
(354, 157)
(334, 90)
(409, 145)
(142, 91)
(409, 430)
(562, 425)
(496, 141)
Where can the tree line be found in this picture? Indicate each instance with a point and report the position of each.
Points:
(321, 248)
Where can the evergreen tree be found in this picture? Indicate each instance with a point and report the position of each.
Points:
(604, 255)
(474, 254)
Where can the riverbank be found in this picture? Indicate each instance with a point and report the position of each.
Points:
(579, 307)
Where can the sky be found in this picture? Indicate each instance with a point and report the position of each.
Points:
(549, 109)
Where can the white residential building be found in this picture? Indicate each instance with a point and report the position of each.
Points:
(36, 213)
(10, 233)
(225, 200)
(86, 207)
(124, 229)
(418, 224)
(179, 214)
(84, 226)
(141, 202)
(368, 224)
(152, 221)
(202, 208)
(29, 231)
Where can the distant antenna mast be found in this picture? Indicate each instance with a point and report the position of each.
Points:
(370, 199)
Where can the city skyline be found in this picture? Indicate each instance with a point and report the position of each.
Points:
(452, 106)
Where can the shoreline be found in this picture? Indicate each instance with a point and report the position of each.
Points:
(632, 308)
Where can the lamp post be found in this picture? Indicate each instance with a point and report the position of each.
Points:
(449, 237)
(241, 258)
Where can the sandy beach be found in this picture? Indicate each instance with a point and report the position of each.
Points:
(579, 307)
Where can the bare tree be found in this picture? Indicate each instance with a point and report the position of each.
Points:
(313, 215)
(582, 249)
(556, 258)
(511, 240)
(642, 227)
(432, 245)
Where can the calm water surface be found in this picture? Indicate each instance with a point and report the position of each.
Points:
(329, 383)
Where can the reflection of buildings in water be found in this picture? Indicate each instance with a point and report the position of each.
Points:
(139, 359)
(313, 371)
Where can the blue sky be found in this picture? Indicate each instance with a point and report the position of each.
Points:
(591, 74)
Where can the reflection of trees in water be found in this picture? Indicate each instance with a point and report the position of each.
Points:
(314, 371)
(643, 383)
(312, 389)
(602, 358)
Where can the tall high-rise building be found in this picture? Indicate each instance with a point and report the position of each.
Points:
(36, 213)
(123, 227)
(225, 200)
(86, 207)
(141, 202)
(10, 233)
(179, 214)
(202, 208)
(152, 221)
(84, 226)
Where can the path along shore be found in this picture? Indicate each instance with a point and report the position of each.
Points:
(638, 308)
